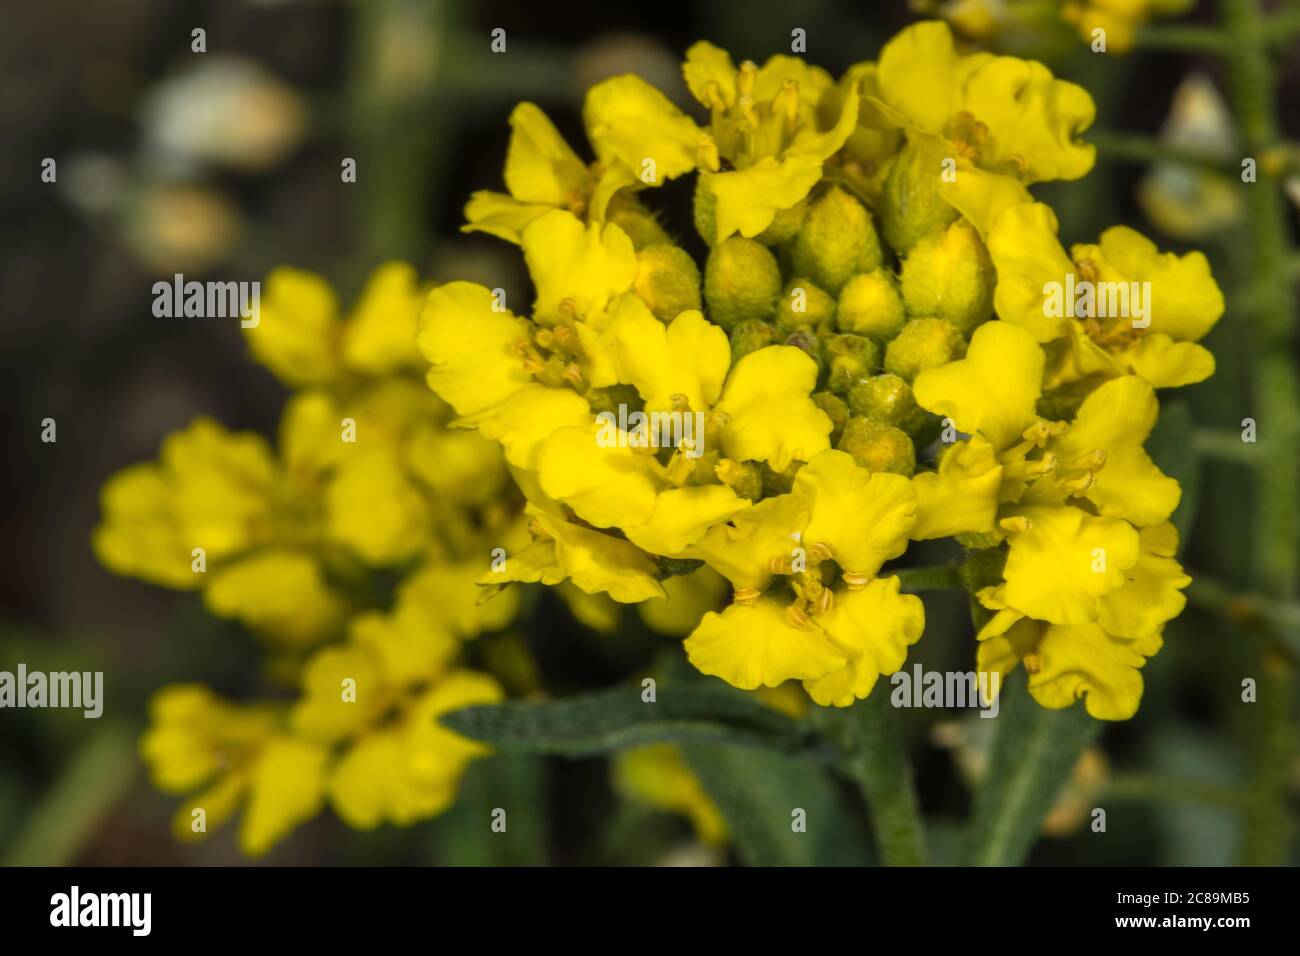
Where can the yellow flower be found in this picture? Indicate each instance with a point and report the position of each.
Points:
(302, 338)
(658, 775)
(764, 123)
(1005, 122)
(822, 544)
(640, 140)
(1177, 295)
(1119, 19)
(236, 757)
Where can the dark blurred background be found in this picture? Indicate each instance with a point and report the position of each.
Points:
(155, 176)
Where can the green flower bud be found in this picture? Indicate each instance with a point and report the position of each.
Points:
(785, 224)
(667, 280)
(949, 275)
(741, 281)
(638, 222)
(912, 205)
(982, 567)
(878, 447)
(837, 241)
(745, 478)
(851, 359)
(806, 341)
(887, 398)
(609, 399)
(705, 209)
(836, 410)
(871, 305)
(779, 482)
(804, 305)
(923, 343)
(750, 336)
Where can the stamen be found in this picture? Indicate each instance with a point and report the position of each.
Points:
(1016, 524)
(746, 595)
(855, 581)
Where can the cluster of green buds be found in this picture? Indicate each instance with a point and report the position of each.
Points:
(872, 313)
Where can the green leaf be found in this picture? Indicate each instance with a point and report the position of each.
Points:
(1172, 446)
(759, 793)
(616, 718)
(1034, 752)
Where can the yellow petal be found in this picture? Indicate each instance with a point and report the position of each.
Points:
(576, 269)
(601, 563)
(1166, 363)
(471, 347)
(373, 509)
(343, 689)
(524, 421)
(743, 550)
(379, 337)
(874, 627)
(681, 516)
(500, 215)
(1029, 258)
(753, 645)
(1060, 567)
(658, 775)
(1117, 418)
(993, 391)
(287, 789)
(607, 486)
(297, 336)
(690, 358)
(770, 415)
(280, 594)
(630, 121)
(982, 197)
(962, 495)
(1152, 594)
(1084, 661)
(863, 517)
(687, 598)
(541, 168)
(707, 64)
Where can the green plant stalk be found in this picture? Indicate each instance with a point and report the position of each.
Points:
(871, 736)
(1034, 753)
(1276, 399)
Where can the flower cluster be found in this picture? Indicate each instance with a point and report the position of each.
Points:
(1108, 26)
(869, 356)
(351, 550)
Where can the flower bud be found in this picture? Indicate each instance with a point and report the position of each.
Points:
(667, 280)
(640, 224)
(779, 482)
(836, 242)
(887, 398)
(804, 305)
(750, 336)
(923, 343)
(851, 359)
(949, 275)
(785, 224)
(870, 304)
(836, 410)
(745, 478)
(878, 447)
(705, 208)
(806, 341)
(912, 205)
(609, 399)
(741, 281)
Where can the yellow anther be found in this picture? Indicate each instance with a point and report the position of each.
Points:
(706, 154)
(795, 615)
(778, 566)
(825, 600)
(1092, 461)
(746, 78)
(747, 111)
(746, 595)
(1031, 470)
(1016, 524)
(1078, 487)
(568, 305)
(821, 551)
(1033, 663)
(855, 581)
(572, 373)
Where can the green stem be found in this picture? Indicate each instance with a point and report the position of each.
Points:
(1136, 148)
(1226, 445)
(871, 736)
(1181, 37)
(1034, 753)
(1276, 397)
(1161, 789)
(937, 578)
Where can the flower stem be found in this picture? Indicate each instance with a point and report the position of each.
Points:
(870, 735)
(1181, 37)
(935, 578)
(1276, 400)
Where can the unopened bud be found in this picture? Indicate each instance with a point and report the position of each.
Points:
(836, 410)
(878, 447)
(851, 358)
(912, 205)
(667, 280)
(640, 224)
(870, 304)
(804, 305)
(837, 241)
(785, 224)
(949, 275)
(750, 336)
(741, 281)
(705, 210)
(887, 398)
(923, 343)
